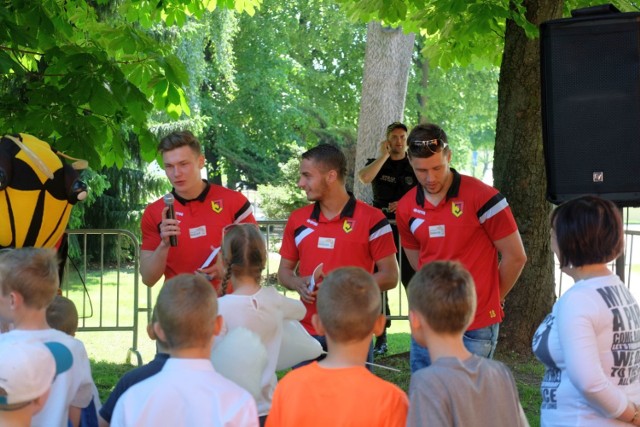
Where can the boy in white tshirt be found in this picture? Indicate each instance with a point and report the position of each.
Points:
(187, 391)
(28, 283)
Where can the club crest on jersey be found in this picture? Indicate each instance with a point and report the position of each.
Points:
(347, 225)
(456, 208)
(216, 206)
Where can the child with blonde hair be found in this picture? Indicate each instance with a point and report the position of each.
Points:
(187, 391)
(28, 284)
(259, 309)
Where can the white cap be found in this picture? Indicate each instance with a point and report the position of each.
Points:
(28, 368)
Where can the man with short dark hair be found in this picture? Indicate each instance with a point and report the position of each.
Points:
(450, 216)
(391, 176)
(336, 231)
(202, 210)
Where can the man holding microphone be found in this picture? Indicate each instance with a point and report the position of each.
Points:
(181, 231)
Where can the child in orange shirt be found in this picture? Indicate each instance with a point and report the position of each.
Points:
(333, 391)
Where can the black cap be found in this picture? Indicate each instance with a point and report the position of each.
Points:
(395, 125)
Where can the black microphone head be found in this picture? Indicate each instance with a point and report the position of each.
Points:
(169, 199)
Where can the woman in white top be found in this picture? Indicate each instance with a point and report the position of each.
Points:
(590, 343)
(252, 306)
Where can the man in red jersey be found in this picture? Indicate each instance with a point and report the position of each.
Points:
(336, 231)
(450, 216)
(202, 210)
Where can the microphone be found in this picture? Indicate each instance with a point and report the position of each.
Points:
(171, 214)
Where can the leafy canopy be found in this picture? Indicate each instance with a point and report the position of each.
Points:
(459, 32)
(84, 75)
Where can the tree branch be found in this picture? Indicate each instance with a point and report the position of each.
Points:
(27, 52)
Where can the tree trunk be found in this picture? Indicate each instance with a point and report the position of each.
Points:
(520, 175)
(387, 61)
(422, 64)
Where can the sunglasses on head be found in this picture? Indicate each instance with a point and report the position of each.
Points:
(432, 146)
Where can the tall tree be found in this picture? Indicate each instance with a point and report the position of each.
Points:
(384, 90)
(284, 94)
(519, 172)
(462, 32)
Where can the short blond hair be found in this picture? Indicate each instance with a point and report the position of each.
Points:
(444, 293)
(349, 304)
(187, 308)
(62, 315)
(31, 272)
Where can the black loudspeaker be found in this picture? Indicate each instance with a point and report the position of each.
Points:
(590, 74)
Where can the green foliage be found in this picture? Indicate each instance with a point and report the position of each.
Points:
(96, 184)
(464, 102)
(83, 74)
(261, 91)
(458, 32)
(124, 194)
(278, 201)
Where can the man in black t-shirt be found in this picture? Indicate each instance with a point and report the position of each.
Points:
(391, 176)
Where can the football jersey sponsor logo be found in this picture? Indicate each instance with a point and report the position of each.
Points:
(418, 211)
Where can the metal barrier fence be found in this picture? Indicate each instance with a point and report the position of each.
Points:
(93, 285)
(102, 293)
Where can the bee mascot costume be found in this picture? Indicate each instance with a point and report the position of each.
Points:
(37, 191)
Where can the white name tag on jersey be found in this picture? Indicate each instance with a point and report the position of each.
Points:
(326, 242)
(436, 230)
(196, 232)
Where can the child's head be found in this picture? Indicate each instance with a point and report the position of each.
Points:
(63, 315)
(30, 272)
(444, 294)
(243, 252)
(349, 304)
(187, 310)
(27, 371)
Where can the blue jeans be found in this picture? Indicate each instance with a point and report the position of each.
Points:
(481, 341)
(323, 342)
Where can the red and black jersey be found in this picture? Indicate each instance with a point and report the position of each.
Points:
(359, 236)
(201, 222)
(462, 227)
